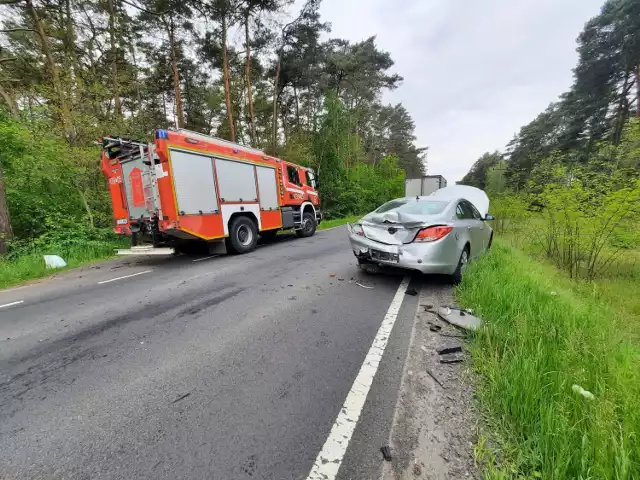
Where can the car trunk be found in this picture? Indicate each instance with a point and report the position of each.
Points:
(393, 228)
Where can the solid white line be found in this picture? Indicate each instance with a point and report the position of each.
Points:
(126, 276)
(12, 303)
(204, 258)
(330, 457)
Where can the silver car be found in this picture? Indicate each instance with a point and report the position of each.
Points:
(433, 234)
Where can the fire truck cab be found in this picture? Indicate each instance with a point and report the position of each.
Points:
(188, 192)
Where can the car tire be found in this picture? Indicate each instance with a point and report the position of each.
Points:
(309, 225)
(243, 235)
(462, 265)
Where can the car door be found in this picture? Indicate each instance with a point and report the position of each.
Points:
(464, 212)
(482, 227)
(476, 228)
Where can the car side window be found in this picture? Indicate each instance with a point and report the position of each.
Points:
(475, 212)
(292, 174)
(463, 212)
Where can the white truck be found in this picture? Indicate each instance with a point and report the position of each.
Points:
(423, 186)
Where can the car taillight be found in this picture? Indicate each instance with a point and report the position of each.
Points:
(432, 234)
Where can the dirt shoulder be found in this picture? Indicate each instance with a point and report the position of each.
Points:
(434, 423)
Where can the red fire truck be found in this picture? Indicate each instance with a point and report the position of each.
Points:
(185, 191)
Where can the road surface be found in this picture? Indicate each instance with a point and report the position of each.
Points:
(226, 367)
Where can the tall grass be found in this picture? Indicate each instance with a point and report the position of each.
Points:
(31, 265)
(543, 335)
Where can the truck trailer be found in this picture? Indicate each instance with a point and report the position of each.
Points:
(423, 186)
(188, 192)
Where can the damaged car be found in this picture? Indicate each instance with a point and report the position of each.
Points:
(440, 233)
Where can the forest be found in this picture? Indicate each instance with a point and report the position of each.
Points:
(258, 72)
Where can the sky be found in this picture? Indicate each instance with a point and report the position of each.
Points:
(474, 71)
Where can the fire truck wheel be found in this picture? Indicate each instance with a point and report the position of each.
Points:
(308, 225)
(243, 235)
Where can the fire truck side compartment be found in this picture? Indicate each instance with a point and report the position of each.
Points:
(194, 183)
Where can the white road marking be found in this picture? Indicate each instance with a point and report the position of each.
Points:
(126, 276)
(330, 457)
(9, 290)
(12, 303)
(332, 228)
(204, 258)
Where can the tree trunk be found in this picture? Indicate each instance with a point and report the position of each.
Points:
(8, 99)
(295, 96)
(247, 74)
(114, 60)
(227, 85)
(638, 91)
(5, 220)
(65, 111)
(274, 122)
(176, 75)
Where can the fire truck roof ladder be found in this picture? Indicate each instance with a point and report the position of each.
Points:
(125, 149)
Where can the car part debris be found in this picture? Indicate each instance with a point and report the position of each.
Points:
(581, 391)
(411, 291)
(181, 397)
(386, 453)
(54, 261)
(451, 335)
(452, 349)
(434, 328)
(363, 286)
(456, 317)
(435, 379)
(423, 348)
(451, 358)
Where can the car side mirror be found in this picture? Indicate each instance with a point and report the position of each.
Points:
(489, 217)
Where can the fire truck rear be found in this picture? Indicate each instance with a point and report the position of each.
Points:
(190, 192)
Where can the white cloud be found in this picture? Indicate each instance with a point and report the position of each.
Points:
(474, 71)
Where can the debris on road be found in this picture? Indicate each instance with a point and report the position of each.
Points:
(434, 328)
(451, 335)
(181, 397)
(581, 391)
(411, 291)
(386, 453)
(54, 261)
(363, 286)
(452, 349)
(332, 275)
(435, 379)
(459, 318)
(451, 358)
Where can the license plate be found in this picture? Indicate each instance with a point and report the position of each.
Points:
(384, 256)
(121, 221)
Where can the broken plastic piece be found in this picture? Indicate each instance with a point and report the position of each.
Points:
(581, 391)
(455, 316)
(411, 291)
(363, 286)
(434, 378)
(451, 358)
(54, 261)
(452, 349)
(386, 453)
(435, 328)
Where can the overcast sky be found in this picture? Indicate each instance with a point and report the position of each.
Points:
(474, 71)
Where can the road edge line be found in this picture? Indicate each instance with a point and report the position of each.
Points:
(122, 278)
(12, 304)
(333, 451)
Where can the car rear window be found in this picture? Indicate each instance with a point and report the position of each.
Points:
(413, 206)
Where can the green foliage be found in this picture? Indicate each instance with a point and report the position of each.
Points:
(542, 335)
(477, 175)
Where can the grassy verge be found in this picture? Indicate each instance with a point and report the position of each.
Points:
(336, 222)
(545, 333)
(31, 266)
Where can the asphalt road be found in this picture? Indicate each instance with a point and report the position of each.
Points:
(199, 368)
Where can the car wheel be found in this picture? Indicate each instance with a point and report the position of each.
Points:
(308, 225)
(462, 265)
(243, 235)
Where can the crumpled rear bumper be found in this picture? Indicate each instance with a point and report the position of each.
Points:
(441, 256)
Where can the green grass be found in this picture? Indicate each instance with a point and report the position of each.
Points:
(32, 266)
(336, 222)
(545, 333)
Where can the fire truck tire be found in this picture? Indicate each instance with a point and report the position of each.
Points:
(309, 225)
(243, 235)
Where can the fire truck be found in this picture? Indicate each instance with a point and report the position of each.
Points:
(188, 192)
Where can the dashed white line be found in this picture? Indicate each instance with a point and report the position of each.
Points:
(205, 258)
(122, 278)
(12, 304)
(332, 228)
(330, 457)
